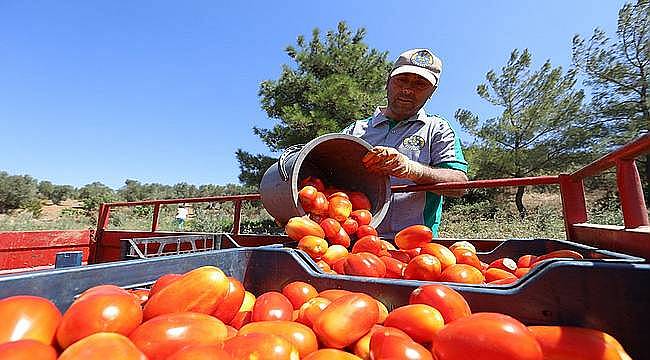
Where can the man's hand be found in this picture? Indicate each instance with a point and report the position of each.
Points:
(388, 161)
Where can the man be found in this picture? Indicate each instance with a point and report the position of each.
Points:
(181, 215)
(411, 146)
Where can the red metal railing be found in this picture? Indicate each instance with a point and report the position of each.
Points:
(633, 237)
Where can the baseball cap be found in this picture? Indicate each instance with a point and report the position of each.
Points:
(421, 62)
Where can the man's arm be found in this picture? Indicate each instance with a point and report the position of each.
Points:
(422, 174)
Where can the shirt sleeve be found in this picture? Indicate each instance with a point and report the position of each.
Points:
(349, 130)
(446, 150)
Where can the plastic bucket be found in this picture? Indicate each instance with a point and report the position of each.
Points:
(335, 159)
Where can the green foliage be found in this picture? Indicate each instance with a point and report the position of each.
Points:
(541, 127)
(335, 80)
(17, 192)
(94, 194)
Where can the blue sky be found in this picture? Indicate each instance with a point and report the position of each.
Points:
(166, 91)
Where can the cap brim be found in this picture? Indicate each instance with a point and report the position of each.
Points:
(415, 70)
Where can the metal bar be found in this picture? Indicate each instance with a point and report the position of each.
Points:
(632, 150)
(188, 200)
(573, 203)
(154, 223)
(103, 218)
(630, 192)
(537, 180)
(237, 219)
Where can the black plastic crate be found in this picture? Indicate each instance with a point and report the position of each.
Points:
(609, 296)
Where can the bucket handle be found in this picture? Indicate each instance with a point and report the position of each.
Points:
(288, 151)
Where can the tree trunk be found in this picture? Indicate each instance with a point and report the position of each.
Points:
(519, 200)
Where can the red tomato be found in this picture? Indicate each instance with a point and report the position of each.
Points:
(99, 312)
(413, 252)
(101, 289)
(341, 238)
(323, 265)
(200, 290)
(306, 196)
(312, 181)
(164, 335)
(346, 320)
(331, 227)
(350, 226)
(162, 282)
(241, 318)
(339, 208)
(299, 227)
(260, 346)
(339, 266)
(359, 201)
(361, 348)
(364, 264)
(565, 342)
(231, 303)
(384, 345)
(449, 302)
(413, 236)
(311, 309)
(520, 272)
(102, 346)
(27, 317)
(232, 332)
(314, 246)
(248, 303)
(272, 305)
(333, 294)
(446, 257)
(560, 254)
(421, 322)
(464, 256)
(486, 336)
(505, 264)
(400, 255)
(299, 292)
(423, 267)
(526, 261)
(504, 281)
(337, 194)
(365, 230)
(462, 245)
(462, 273)
(201, 352)
(334, 253)
(302, 337)
(320, 206)
(142, 295)
(331, 354)
(27, 350)
(362, 217)
(394, 267)
(493, 274)
(369, 243)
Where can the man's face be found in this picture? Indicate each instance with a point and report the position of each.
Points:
(407, 93)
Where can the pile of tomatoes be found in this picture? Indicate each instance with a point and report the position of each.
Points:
(336, 233)
(203, 314)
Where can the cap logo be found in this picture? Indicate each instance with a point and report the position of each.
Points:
(413, 142)
(422, 58)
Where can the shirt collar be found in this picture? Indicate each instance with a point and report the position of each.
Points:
(378, 117)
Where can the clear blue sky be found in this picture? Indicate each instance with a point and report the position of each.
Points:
(166, 91)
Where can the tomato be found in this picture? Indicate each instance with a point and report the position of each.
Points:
(341, 238)
(320, 205)
(486, 336)
(359, 201)
(462, 273)
(565, 342)
(311, 309)
(331, 354)
(164, 335)
(99, 312)
(337, 194)
(400, 255)
(199, 290)
(334, 253)
(362, 217)
(385, 345)
(272, 305)
(162, 282)
(361, 348)
(444, 255)
(260, 346)
(394, 267)
(299, 227)
(413, 236)
(302, 337)
(520, 272)
(102, 289)
(26, 317)
(423, 267)
(312, 181)
(368, 243)
(464, 256)
(364, 264)
(232, 302)
(450, 303)
(314, 246)
(330, 227)
(504, 281)
(27, 350)
(324, 266)
(421, 322)
(383, 312)
(493, 274)
(505, 264)
(306, 196)
(560, 254)
(462, 245)
(142, 295)
(333, 294)
(201, 352)
(249, 302)
(350, 226)
(346, 320)
(339, 208)
(412, 252)
(241, 318)
(526, 261)
(299, 292)
(102, 346)
(365, 230)
(232, 332)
